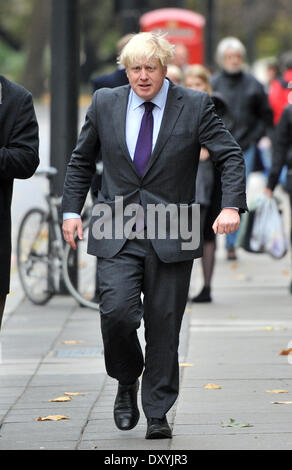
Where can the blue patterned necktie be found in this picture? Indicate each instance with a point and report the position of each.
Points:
(143, 148)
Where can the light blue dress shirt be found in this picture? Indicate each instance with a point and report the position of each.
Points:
(135, 111)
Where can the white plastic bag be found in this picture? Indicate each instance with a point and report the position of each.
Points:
(268, 231)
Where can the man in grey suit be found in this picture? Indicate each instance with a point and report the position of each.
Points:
(149, 134)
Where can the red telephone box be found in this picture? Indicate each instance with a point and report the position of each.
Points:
(182, 26)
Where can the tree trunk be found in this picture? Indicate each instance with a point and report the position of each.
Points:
(33, 76)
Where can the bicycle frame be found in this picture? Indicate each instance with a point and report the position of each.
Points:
(55, 241)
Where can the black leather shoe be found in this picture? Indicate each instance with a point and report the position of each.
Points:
(158, 428)
(126, 412)
(231, 254)
(203, 296)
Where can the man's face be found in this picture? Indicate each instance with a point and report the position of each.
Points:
(232, 61)
(146, 77)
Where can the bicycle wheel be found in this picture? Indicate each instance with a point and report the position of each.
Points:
(33, 256)
(81, 282)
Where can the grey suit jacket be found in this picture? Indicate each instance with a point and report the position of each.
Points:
(189, 122)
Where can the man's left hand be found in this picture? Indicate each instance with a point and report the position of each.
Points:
(227, 221)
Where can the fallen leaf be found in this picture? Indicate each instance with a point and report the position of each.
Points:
(285, 352)
(240, 277)
(282, 402)
(72, 341)
(73, 394)
(234, 266)
(277, 391)
(185, 364)
(52, 418)
(267, 328)
(61, 399)
(82, 265)
(233, 424)
(212, 386)
(285, 272)
(232, 316)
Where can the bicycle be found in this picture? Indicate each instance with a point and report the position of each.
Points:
(43, 259)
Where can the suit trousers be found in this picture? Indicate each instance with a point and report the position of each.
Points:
(137, 270)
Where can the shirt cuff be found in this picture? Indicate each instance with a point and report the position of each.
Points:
(70, 215)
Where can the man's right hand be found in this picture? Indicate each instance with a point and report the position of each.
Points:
(70, 226)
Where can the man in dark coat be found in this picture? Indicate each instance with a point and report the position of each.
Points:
(248, 103)
(116, 78)
(19, 158)
(111, 80)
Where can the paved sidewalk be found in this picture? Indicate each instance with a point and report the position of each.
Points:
(234, 343)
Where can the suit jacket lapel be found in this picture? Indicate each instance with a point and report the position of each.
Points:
(119, 119)
(173, 108)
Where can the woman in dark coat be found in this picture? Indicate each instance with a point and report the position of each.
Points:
(19, 158)
(208, 182)
(282, 155)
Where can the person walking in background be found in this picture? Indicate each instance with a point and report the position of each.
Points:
(273, 72)
(208, 184)
(280, 92)
(19, 158)
(116, 78)
(149, 136)
(174, 74)
(181, 56)
(282, 155)
(248, 104)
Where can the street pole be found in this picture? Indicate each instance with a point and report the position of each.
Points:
(129, 17)
(65, 33)
(64, 86)
(210, 34)
(251, 33)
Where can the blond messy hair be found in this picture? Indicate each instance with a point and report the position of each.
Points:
(146, 46)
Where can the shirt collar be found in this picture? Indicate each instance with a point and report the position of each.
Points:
(159, 100)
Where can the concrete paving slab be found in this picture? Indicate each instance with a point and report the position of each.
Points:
(42, 431)
(37, 445)
(128, 443)
(183, 429)
(233, 442)
(252, 417)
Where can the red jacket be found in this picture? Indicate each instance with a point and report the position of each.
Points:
(280, 95)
